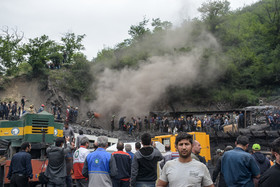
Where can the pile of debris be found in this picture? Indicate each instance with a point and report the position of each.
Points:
(259, 113)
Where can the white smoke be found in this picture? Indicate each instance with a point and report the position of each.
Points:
(132, 92)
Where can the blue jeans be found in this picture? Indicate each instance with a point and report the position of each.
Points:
(130, 129)
(145, 184)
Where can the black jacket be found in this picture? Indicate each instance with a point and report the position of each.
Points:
(217, 171)
(144, 165)
(123, 164)
(271, 178)
(262, 161)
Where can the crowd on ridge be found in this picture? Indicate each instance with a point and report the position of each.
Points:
(13, 110)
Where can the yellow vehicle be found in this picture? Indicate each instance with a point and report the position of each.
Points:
(201, 137)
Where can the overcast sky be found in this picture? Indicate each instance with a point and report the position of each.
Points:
(105, 22)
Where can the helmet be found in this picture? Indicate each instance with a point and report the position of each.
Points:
(43, 105)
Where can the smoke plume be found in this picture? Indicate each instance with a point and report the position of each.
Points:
(132, 92)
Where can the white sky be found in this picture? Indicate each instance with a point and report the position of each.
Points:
(105, 22)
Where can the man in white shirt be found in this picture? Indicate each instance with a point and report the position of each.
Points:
(184, 171)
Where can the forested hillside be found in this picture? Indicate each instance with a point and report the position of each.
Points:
(226, 57)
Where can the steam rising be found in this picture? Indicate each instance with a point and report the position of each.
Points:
(131, 92)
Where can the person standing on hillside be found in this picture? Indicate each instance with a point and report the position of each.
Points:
(20, 169)
(59, 112)
(68, 132)
(146, 123)
(112, 123)
(41, 109)
(241, 120)
(14, 109)
(22, 102)
(79, 138)
(68, 113)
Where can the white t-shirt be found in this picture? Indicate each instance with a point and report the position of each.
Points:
(191, 174)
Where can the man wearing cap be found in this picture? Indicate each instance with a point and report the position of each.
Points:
(215, 159)
(41, 109)
(31, 109)
(261, 159)
(217, 171)
(239, 167)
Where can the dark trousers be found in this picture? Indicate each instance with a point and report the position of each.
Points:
(69, 181)
(120, 183)
(81, 183)
(19, 180)
(57, 182)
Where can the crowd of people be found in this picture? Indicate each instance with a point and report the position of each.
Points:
(181, 124)
(13, 111)
(206, 123)
(122, 168)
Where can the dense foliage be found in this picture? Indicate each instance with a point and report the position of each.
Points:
(249, 54)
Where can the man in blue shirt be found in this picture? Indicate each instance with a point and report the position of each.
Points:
(21, 169)
(99, 166)
(239, 167)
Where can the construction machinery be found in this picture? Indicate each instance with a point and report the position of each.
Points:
(201, 137)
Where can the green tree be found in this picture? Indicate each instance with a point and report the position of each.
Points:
(213, 13)
(71, 45)
(38, 51)
(160, 25)
(10, 51)
(138, 32)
